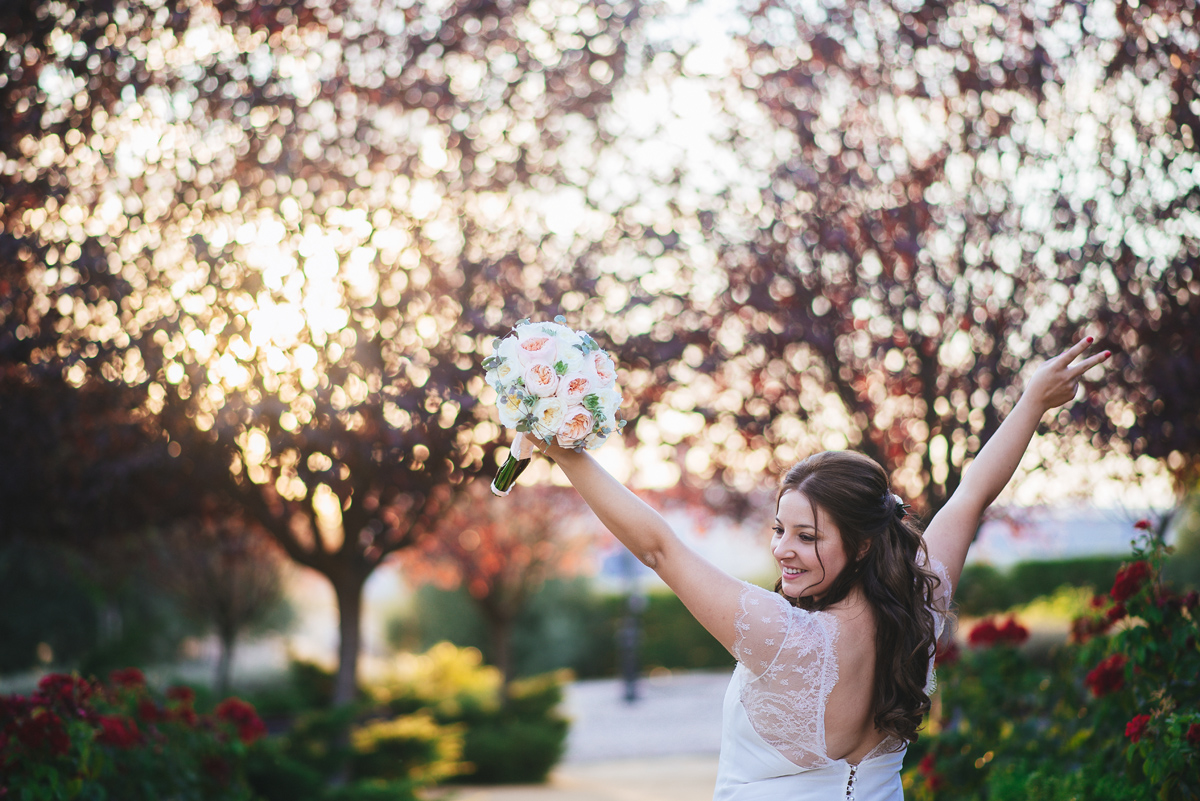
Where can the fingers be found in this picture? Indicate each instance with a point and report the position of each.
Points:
(1070, 353)
(1084, 365)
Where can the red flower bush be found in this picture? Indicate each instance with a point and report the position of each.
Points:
(987, 633)
(242, 715)
(1129, 580)
(182, 699)
(934, 781)
(42, 732)
(1116, 613)
(1086, 627)
(95, 740)
(1136, 728)
(1108, 676)
(118, 732)
(63, 690)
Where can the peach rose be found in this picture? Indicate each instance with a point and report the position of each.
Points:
(537, 350)
(575, 428)
(541, 380)
(573, 388)
(606, 371)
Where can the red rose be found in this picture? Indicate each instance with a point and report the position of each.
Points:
(926, 765)
(184, 696)
(1136, 728)
(1117, 612)
(118, 732)
(983, 633)
(1193, 734)
(1142, 525)
(986, 632)
(1108, 676)
(149, 711)
(1129, 580)
(68, 690)
(1168, 601)
(242, 715)
(947, 654)
(1012, 632)
(127, 677)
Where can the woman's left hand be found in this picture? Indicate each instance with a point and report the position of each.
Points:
(1057, 381)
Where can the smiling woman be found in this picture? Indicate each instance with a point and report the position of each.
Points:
(835, 667)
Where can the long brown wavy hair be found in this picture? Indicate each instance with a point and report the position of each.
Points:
(853, 492)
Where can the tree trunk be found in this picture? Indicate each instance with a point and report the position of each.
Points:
(500, 639)
(227, 639)
(349, 598)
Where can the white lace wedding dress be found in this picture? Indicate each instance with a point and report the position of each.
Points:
(773, 728)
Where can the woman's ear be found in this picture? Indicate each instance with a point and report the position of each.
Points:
(863, 549)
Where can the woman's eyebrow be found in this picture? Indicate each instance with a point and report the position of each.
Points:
(797, 525)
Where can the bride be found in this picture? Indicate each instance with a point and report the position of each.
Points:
(835, 667)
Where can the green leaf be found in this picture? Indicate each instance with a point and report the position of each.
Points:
(560, 368)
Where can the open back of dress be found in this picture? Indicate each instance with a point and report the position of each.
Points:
(773, 732)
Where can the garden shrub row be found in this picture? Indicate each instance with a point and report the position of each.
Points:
(568, 626)
(441, 715)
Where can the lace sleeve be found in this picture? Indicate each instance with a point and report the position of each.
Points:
(789, 654)
(942, 594)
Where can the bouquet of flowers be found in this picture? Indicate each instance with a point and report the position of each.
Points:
(555, 384)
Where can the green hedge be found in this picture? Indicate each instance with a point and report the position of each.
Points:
(565, 625)
(984, 589)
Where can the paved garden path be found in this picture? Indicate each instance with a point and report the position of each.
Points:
(662, 747)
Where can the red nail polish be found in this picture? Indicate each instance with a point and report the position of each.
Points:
(1090, 340)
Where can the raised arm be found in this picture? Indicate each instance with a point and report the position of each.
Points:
(954, 526)
(709, 593)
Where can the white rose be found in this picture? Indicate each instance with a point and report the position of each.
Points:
(609, 400)
(548, 414)
(573, 359)
(507, 371)
(513, 406)
(561, 333)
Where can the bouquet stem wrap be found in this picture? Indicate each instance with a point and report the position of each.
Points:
(514, 465)
(507, 475)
